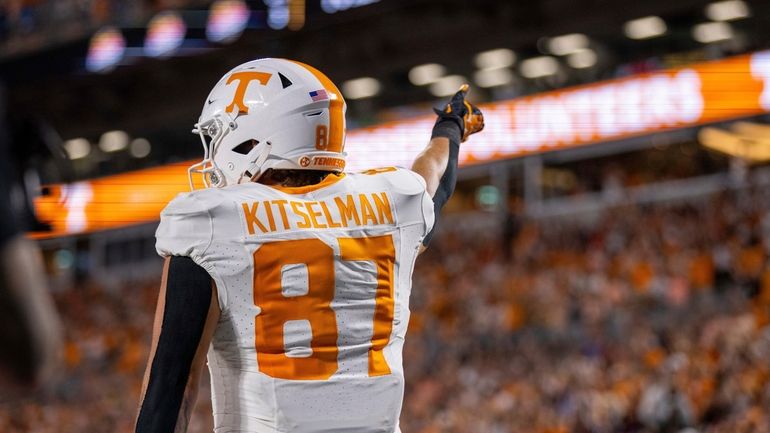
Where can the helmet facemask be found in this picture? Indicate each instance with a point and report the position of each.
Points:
(223, 164)
(212, 176)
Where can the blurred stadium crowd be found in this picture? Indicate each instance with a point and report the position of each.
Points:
(649, 319)
(20, 19)
(643, 318)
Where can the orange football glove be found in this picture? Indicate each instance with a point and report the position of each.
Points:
(467, 116)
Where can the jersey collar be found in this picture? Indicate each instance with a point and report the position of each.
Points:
(329, 180)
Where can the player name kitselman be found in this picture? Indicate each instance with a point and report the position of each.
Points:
(350, 210)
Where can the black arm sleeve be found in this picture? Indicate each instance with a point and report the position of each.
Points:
(188, 297)
(449, 129)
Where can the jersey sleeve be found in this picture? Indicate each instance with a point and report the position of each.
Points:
(185, 228)
(415, 205)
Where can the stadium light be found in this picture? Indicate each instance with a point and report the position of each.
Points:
(488, 197)
(752, 129)
(113, 141)
(64, 259)
(736, 144)
(495, 59)
(139, 148)
(493, 77)
(77, 148)
(227, 20)
(277, 14)
(728, 10)
(426, 74)
(296, 14)
(645, 28)
(106, 50)
(332, 6)
(537, 67)
(707, 33)
(582, 59)
(567, 44)
(447, 85)
(360, 88)
(165, 34)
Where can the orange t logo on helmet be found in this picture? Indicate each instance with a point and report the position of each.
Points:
(244, 78)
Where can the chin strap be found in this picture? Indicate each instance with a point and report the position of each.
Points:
(255, 168)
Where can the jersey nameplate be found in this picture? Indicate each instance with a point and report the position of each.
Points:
(350, 210)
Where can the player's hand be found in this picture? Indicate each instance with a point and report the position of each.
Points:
(466, 115)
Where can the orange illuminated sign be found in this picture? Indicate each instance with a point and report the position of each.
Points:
(610, 110)
(607, 111)
(110, 202)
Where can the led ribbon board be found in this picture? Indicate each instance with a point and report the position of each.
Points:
(608, 111)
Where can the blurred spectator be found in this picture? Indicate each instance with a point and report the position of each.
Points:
(30, 331)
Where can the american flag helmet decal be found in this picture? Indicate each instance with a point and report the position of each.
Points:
(318, 95)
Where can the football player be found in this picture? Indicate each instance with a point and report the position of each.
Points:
(289, 275)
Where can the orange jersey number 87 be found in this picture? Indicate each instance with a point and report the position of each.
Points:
(315, 306)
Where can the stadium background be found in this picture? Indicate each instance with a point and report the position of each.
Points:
(603, 266)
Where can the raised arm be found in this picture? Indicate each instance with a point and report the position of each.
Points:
(437, 164)
(185, 318)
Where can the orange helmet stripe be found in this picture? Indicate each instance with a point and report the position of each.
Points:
(336, 139)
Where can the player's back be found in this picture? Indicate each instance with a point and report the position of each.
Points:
(314, 285)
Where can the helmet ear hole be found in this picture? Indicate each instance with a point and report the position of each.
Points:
(245, 147)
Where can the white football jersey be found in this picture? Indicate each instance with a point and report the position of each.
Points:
(313, 284)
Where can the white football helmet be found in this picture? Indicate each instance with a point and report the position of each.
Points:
(270, 113)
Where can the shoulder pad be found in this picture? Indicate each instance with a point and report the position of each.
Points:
(405, 181)
(397, 179)
(413, 203)
(186, 203)
(185, 227)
